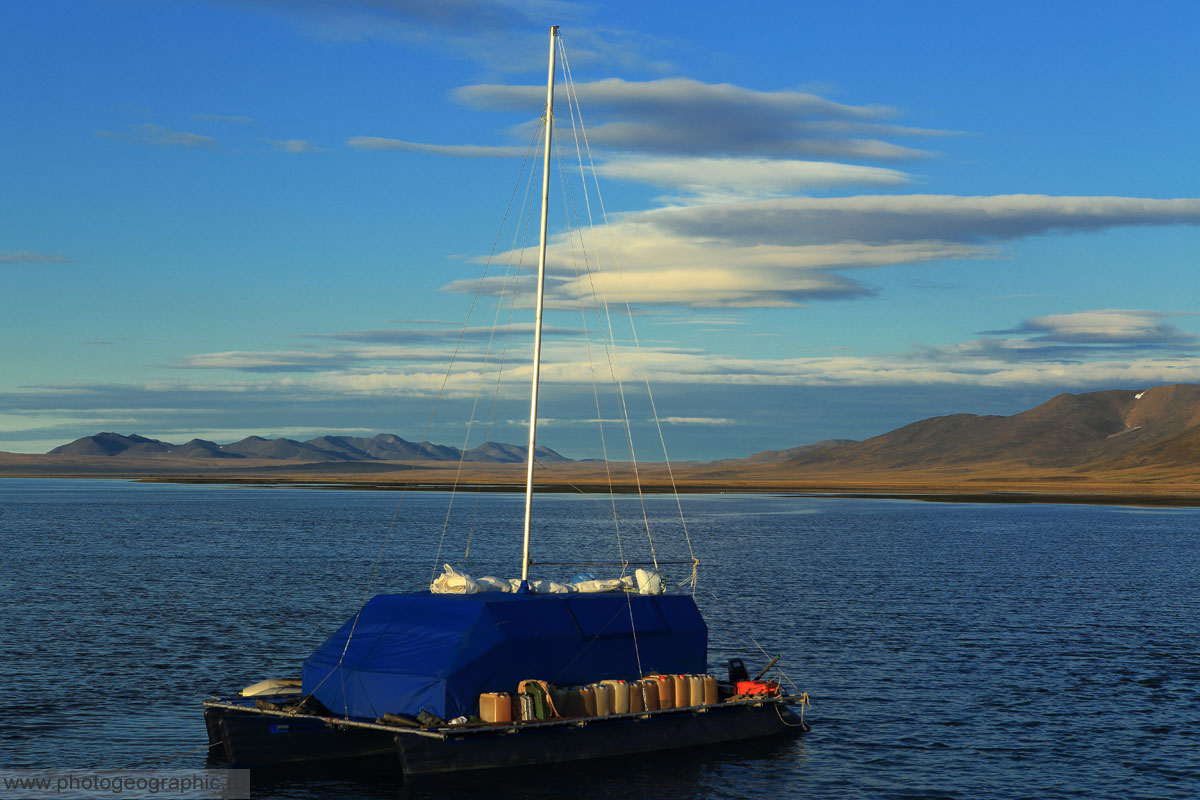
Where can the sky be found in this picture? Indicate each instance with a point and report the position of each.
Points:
(274, 217)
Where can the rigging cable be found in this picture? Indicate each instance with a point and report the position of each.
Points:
(572, 212)
(475, 299)
(420, 449)
(488, 355)
(633, 330)
(499, 376)
(614, 365)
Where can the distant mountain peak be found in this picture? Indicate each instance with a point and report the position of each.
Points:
(381, 447)
(112, 444)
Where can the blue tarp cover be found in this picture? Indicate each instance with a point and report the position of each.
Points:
(420, 651)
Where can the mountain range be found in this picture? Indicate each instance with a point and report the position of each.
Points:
(382, 447)
(1098, 431)
(1119, 442)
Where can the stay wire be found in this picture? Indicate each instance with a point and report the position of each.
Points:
(573, 105)
(474, 300)
(572, 212)
(766, 655)
(512, 295)
(487, 360)
(391, 527)
(633, 329)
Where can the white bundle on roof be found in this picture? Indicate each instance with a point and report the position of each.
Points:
(454, 582)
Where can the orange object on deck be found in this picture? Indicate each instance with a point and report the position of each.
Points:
(758, 687)
(495, 707)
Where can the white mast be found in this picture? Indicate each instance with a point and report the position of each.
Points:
(537, 326)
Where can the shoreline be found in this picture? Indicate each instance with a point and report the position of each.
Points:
(1001, 490)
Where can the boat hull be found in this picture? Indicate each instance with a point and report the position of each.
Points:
(602, 737)
(244, 737)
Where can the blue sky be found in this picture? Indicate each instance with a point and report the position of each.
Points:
(251, 217)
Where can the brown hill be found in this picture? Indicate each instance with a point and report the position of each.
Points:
(1082, 432)
(775, 456)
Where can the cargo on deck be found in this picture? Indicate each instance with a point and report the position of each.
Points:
(437, 653)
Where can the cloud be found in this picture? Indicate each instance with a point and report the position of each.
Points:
(374, 19)
(466, 150)
(359, 353)
(662, 268)
(159, 136)
(1108, 326)
(789, 251)
(710, 141)
(346, 386)
(31, 257)
(719, 178)
(165, 137)
(671, 369)
(750, 286)
(294, 146)
(877, 219)
(688, 117)
(561, 422)
(916, 369)
(334, 360)
(497, 34)
(234, 119)
(501, 35)
(266, 361)
(668, 97)
(446, 335)
(1079, 338)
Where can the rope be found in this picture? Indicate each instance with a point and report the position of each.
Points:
(522, 238)
(614, 365)
(803, 702)
(633, 330)
(637, 654)
(420, 451)
(777, 668)
(488, 352)
(795, 689)
(573, 213)
(586, 645)
(483, 370)
(573, 103)
(496, 391)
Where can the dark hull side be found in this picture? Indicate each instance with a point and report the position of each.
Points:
(243, 738)
(594, 738)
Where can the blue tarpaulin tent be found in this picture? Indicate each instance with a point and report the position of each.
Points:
(437, 653)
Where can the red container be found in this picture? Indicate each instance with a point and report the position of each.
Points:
(757, 687)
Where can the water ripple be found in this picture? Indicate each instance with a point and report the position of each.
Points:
(951, 651)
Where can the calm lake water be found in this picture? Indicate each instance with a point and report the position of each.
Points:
(950, 650)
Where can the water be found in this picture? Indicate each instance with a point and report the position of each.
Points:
(951, 651)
